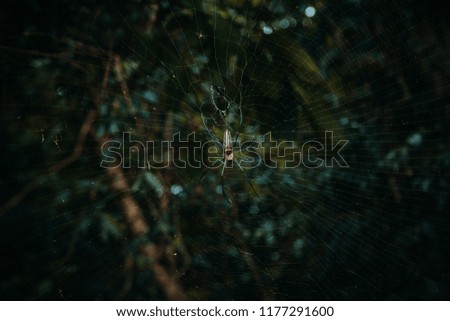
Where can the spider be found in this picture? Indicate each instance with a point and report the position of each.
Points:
(229, 113)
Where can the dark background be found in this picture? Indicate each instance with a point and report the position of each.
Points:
(77, 74)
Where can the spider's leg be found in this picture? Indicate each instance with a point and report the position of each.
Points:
(236, 138)
(222, 182)
(223, 191)
(223, 168)
(217, 161)
(248, 180)
(204, 123)
(240, 116)
(206, 170)
(213, 89)
(202, 176)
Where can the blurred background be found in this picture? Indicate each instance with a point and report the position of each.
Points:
(78, 74)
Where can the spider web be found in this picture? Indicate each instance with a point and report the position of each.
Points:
(296, 70)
